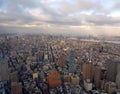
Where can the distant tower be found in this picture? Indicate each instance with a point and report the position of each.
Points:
(71, 62)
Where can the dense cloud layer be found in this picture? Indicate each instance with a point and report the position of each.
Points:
(78, 17)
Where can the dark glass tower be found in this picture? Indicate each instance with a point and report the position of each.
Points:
(71, 62)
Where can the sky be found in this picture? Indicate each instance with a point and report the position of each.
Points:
(73, 17)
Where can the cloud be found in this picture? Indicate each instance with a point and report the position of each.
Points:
(117, 5)
(103, 20)
(79, 17)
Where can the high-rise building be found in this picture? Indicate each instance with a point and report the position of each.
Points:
(16, 88)
(14, 76)
(54, 79)
(118, 75)
(33, 51)
(118, 80)
(103, 73)
(87, 71)
(71, 62)
(97, 76)
(4, 70)
(118, 67)
(79, 62)
(111, 71)
(62, 61)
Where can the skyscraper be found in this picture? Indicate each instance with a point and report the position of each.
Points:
(118, 75)
(3, 70)
(97, 76)
(54, 79)
(16, 88)
(111, 71)
(62, 61)
(118, 80)
(87, 71)
(71, 62)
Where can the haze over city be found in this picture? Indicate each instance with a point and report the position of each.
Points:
(73, 17)
(59, 46)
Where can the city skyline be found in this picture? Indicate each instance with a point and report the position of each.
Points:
(74, 17)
